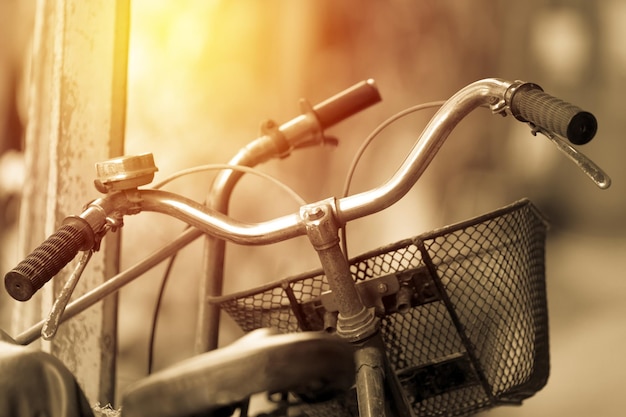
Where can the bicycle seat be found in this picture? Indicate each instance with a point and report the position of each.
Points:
(35, 383)
(312, 364)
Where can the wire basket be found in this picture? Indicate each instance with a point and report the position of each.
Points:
(463, 312)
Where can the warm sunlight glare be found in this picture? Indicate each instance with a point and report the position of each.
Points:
(195, 67)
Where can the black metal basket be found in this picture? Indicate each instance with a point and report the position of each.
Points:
(463, 308)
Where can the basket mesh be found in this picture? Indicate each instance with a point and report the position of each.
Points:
(476, 333)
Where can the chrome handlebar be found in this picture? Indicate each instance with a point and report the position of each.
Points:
(523, 100)
(488, 92)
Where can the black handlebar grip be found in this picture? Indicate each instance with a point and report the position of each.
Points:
(48, 259)
(530, 104)
(348, 102)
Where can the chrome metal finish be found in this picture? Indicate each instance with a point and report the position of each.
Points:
(218, 224)
(484, 92)
(586, 165)
(479, 93)
(210, 221)
(51, 324)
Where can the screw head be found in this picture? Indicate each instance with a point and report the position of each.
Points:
(315, 213)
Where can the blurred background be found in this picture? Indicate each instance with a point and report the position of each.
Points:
(203, 75)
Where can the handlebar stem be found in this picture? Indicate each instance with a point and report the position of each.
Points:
(276, 141)
(355, 322)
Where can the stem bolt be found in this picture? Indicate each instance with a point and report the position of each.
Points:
(315, 213)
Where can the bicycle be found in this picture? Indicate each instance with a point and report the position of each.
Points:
(449, 322)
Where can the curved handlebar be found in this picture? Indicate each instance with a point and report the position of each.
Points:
(502, 96)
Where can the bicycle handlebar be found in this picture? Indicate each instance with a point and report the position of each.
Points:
(79, 234)
(519, 99)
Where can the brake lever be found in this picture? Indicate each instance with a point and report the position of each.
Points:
(586, 165)
(51, 324)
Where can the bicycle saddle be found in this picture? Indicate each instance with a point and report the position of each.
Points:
(34, 383)
(313, 364)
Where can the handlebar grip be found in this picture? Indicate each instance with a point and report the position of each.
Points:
(49, 258)
(530, 104)
(346, 103)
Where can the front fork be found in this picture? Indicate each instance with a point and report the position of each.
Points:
(355, 322)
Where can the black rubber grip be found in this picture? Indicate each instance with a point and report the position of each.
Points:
(48, 259)
(347, 103)
(530, 104)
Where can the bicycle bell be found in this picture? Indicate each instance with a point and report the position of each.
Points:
(125, 172)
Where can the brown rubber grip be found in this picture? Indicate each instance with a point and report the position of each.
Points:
(347, 103)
